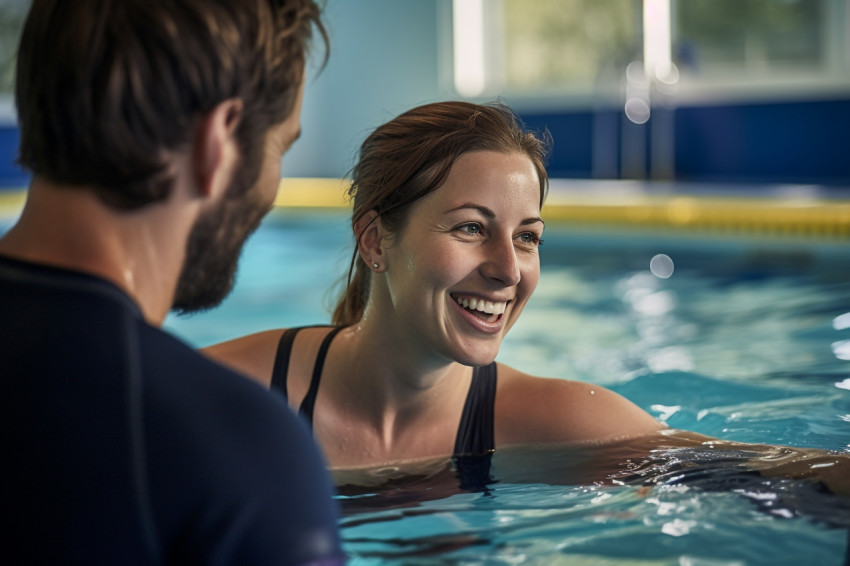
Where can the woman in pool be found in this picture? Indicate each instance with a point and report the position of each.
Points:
(446, 218)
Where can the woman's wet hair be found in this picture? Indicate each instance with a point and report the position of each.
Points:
(125, 81)
(411, 156)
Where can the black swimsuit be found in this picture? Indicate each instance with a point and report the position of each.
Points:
(475, 434)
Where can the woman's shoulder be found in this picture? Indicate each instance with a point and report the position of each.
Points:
(252, 355)
(532, 409)
(255, 354)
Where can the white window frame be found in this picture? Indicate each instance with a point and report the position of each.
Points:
(484, 64)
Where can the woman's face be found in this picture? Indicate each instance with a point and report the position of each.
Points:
(464, 266)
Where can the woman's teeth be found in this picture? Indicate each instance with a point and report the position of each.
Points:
(486, 307)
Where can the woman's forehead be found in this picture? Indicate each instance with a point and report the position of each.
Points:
(487, 176)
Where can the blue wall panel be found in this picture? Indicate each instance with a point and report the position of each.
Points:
(792, 142)
(11, 176)
(572, 135)
(776, 142)
(779, 142)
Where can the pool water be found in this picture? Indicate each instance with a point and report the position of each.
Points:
(746, 340)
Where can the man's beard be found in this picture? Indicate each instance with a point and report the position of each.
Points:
(215, 244)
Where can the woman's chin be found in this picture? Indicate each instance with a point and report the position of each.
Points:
(476, 359)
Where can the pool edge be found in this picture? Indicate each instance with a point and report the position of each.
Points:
(623, 204)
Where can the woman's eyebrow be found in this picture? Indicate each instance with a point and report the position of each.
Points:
(533, 220)
(488, 213)
(480, 208)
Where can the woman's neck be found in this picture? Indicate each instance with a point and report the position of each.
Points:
(391, 387)
(395, 369)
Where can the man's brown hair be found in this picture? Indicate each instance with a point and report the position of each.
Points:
(107, 89)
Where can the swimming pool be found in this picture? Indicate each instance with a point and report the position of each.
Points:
(747, 340)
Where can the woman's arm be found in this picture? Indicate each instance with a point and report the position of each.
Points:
(541, 411)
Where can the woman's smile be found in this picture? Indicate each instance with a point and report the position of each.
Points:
(484, 306)
(484, 316)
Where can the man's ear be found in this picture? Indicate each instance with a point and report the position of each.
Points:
(215, 152)
(370, 234)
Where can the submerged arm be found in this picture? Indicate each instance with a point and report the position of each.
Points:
(832, 469)
(625, 443)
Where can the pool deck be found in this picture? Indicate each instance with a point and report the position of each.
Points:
(808, 211)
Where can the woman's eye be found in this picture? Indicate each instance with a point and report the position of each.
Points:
(472, 229)
(530, 238)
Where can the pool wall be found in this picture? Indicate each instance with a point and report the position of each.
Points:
(748, 143)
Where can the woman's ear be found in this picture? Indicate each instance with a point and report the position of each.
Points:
(370, 232)
(215, 153)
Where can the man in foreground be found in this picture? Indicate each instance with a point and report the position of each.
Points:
(154, 130)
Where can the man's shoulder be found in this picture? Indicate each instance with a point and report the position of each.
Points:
(194, 398)
(239, 447)
(175, 372)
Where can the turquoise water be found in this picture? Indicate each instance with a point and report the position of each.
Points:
(747, 340)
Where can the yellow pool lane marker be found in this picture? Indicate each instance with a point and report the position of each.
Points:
(770, 217)
(312, 193)
(12, 201)
(782, 217)
(292, 193)
(793, 217)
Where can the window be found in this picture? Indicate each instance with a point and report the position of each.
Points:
(12, 14)
(750, 36)
(559, 44)
(579, 48)
(541, 47)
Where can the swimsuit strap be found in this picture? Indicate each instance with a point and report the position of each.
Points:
(280, 372)
(475, 433)
(281, 361)
(309, 401)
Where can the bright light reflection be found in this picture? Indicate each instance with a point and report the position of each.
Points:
(653, 304)
(636, 107)
(661, 266)
(656, 44)
(672, 358)
(841, 349)
(841, 321)
(668, 76)
(637, 110)
(784, 513)
(665, 411)
(678, 527)
(469, 46)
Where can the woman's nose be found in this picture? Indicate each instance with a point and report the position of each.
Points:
(501, 262)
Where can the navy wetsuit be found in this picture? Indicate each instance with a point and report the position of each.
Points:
(122, 445)
(474, 442)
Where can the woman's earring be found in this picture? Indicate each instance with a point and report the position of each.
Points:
(375, 264)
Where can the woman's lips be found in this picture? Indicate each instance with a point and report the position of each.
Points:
(488, 323)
